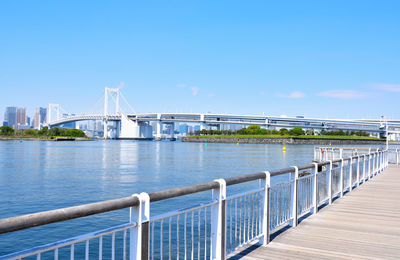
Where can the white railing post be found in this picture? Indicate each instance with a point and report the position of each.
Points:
(385, 153)
(383, 160)
(358, 170)
(378, 159)
(351, 174)
(369, 165)
(341, 153)
(330, 181)
(387, 158)
(363, 173)
(373, 165)
(397, 157)
(315, 189)
(218, 221)
(341, 177)
(139, 236)
(266, 184)
(294, 198)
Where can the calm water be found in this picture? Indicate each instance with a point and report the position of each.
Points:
(38, 176)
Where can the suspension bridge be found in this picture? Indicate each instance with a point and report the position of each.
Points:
(127, 124)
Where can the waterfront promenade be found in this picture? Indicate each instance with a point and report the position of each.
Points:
(364, 224)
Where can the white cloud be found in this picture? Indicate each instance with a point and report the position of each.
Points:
(195, 91)
(387, 87)
(211, 95)
(295, 94)
(342, 94)
(181, 85)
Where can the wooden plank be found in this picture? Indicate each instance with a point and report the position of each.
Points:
(364, 224)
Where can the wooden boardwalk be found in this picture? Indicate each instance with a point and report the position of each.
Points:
(364, 224)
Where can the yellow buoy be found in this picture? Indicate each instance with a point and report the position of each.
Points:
(284, 147)
(237, 143)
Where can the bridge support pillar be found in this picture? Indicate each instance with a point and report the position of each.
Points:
(202, 122)
(158, 130)
(117, 129)
(105, 135)
(172, 131)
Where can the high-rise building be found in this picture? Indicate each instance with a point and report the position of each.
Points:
(21, 116)
(28, 120)
(10, 116)
(183, 129)
(40, 117)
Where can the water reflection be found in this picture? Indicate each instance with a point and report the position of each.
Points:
(37, 176)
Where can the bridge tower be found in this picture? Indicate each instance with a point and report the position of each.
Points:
(114, 94)
(53, 113)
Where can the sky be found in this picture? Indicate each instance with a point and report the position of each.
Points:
(329, 59)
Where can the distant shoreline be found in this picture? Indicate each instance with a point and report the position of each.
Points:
(280, 140)
(55, 139)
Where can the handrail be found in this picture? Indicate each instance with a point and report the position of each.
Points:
(58, 215)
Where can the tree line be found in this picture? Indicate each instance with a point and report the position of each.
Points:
(295, 131)
(45, 132)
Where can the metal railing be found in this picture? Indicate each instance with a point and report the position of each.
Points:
(394, 156)
(207, 231)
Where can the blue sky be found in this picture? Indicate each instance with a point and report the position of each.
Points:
(313, 58)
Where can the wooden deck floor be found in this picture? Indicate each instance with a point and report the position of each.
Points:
(364, 224)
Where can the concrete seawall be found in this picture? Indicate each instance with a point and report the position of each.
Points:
(279, 140)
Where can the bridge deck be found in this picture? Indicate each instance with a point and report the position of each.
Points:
(364, 224)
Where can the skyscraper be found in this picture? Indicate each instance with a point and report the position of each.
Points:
(21, 116)
(183, 129)
(40, 117)
(10, 116)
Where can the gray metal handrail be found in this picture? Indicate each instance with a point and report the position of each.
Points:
(58, 215)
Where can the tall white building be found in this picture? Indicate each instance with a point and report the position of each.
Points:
(21, 116)
(40, 117)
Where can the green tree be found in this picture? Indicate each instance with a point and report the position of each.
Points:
(242, 131)
(29, 132)
(296, 131)
(254, 130)
(6, 130)
(44, 131)
(283, 131)
(74, 133)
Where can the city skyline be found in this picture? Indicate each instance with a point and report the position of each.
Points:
(337, 60)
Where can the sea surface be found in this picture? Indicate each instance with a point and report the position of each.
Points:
(38, 176)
